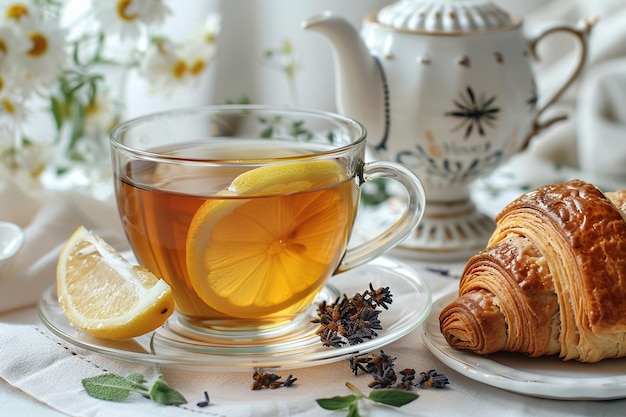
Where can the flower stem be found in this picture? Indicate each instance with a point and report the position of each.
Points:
(354, 389)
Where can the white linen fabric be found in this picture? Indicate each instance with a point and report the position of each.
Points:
(51, 371)
(601, 119)
(594, 136)
(48, 222)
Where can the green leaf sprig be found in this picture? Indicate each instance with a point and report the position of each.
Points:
(111, 387)
(390, 397)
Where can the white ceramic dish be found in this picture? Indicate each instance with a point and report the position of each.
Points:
(545, 377)
(299, 348)
(11, 241)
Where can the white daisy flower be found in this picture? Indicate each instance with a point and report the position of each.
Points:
(152, 12)
(17, 10)
(164, 67)
(13, 110)
(46, 55)
(201, 49)
(7, 86)
(12, 49)
(24, 161)
(12, 46)
(126, 17)
(198, 57)
(100, 116)
(119, 16)
(212, 28)
(39, 78)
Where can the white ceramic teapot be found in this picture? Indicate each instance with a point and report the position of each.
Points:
(446, 87)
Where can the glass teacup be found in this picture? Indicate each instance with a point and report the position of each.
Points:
(246, 211)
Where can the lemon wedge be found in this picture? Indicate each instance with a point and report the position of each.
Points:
(101, 293)
(252, 257)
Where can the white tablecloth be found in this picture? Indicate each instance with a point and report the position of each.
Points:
(41, 375)
(51, 383)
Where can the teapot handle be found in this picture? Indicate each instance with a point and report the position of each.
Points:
(581, 35)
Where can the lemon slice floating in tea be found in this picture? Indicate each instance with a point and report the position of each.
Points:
(101, 293)
(273, 241)
(286, 178)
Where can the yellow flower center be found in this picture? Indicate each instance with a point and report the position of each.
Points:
(3, 46)
(1, 83)
(179, 68)
(122, 5)
(197, 67)
(8, 106)
(16, 11)
(40, 44)
(209, 37)
(92, 109)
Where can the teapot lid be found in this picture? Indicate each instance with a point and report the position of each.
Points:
(444, 15)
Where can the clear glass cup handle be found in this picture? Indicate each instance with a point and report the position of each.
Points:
(402, 228)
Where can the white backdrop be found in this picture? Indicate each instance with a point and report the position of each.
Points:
(249, 27)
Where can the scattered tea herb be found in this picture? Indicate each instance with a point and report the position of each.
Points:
(444, 272)
(349, 321)
(270, 380)
(432, 379)
(408, 379)
(373, 363)
(111, 387)
(385, 379)
(392, 397)
(381, 367)
(289, 381)
(206, 401)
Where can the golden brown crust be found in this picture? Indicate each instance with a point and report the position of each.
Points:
(474, 323)
(514, 276)
(593, 232)
(556, 268)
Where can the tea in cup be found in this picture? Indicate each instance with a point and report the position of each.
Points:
(246, 211)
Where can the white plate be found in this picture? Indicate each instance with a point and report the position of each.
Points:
(545, 377)
(299, 348)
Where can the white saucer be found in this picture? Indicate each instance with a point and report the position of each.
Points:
(545, 377)
(301, 347)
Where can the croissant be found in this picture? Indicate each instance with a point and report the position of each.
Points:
(552, 279)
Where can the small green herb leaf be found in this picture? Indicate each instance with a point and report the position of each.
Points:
(163, 394)
(136, 377)
(108, 387)
(353, 410)
(337, 403)
(394, 397)
(113, 387)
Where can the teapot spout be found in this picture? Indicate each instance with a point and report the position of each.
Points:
(359, 81)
